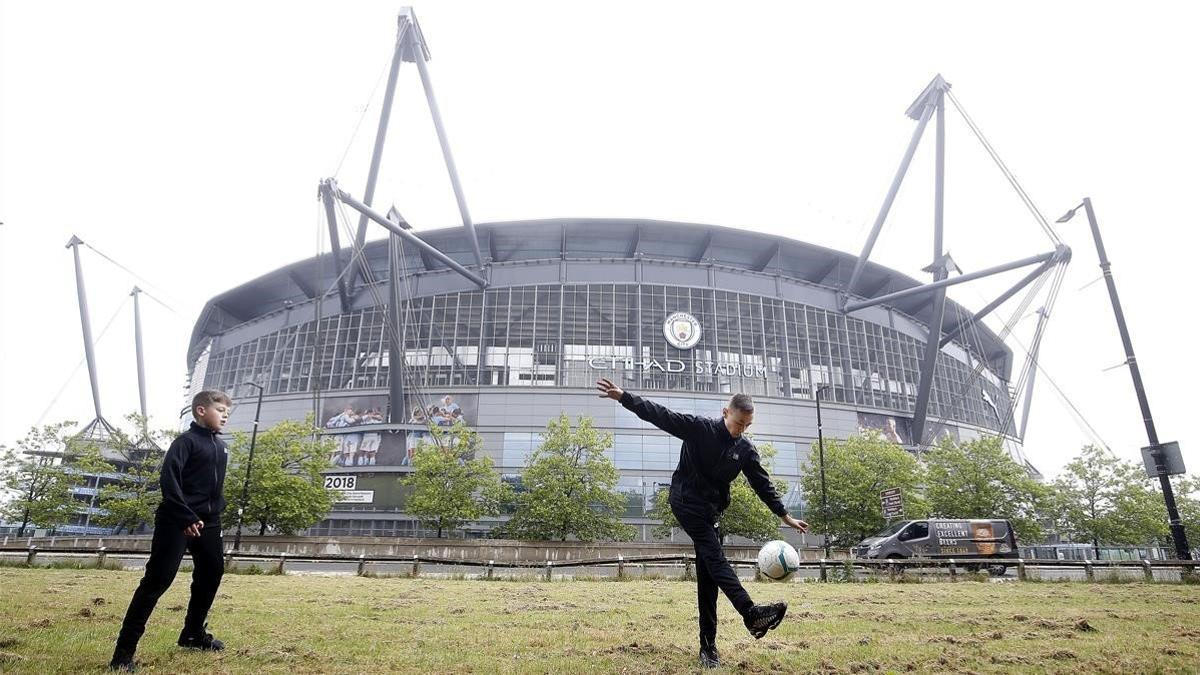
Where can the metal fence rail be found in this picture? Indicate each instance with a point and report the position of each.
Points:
(894, 568)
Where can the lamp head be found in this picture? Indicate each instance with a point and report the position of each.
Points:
(1071, 214)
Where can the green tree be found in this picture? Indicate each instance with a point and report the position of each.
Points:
(1082, 499)
(449, 486)
(978, 479)
(1139, 515)
(570, 488)
(85, 465)
(1187, 498)
(747, 516)
(287, 491)
(34, 475)
(133, 496)
(856, 470)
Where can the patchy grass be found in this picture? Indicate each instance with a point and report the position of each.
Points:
(55, 620)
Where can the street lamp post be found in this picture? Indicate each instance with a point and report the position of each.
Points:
(1178, 535)
(241, 512)
(821, 461)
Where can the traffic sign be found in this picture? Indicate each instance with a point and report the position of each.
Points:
(891, 502)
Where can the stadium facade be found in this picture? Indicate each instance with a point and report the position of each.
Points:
(683, 313)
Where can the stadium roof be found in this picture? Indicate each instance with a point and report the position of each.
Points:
(589, 238)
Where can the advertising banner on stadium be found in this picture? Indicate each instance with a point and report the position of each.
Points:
(349, 420)
(895, 429)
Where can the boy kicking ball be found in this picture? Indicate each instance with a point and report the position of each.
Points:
(713, 453)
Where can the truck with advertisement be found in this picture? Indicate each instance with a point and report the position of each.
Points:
(980, 544)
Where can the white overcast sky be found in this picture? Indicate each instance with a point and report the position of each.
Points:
(186, 142)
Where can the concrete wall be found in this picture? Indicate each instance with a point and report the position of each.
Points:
(500, 550)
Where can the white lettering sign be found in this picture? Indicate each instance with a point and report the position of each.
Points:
(676, 366)
(355, 497)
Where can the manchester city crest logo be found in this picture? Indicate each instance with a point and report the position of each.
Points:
(682, 330)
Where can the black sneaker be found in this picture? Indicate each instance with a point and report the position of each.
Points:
(201, 640)
(710, 657)
(763, 618)
(122, 662)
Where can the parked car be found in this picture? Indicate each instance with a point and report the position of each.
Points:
(978, 543)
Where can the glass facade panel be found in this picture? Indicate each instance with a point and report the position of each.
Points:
(568, 335)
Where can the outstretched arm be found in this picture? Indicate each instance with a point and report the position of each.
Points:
(760, 480)
(680, 425)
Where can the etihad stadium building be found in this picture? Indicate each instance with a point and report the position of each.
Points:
(683, 313)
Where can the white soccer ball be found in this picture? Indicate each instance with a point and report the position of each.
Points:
(778, 561)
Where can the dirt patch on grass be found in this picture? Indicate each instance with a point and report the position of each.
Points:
(641, 649)
(955, 640)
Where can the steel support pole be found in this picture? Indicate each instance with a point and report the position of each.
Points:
(821, 461)
(946, 283)
(1034, 348)
(446, 154)
(994, 304)
(141, 364)
(389, 94)
(891, 197)
(939, 186)
(86, 321)
(397, 409)
(335, 246)
(1178, 535)
(378, 217)
(929, 363)
(241, 513)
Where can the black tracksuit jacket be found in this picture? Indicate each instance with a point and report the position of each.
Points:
(192, 478)
(709, 460)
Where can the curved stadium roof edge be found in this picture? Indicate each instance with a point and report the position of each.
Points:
(589, 238)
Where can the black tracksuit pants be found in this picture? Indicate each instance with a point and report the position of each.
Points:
(713, 571)
(166, 552)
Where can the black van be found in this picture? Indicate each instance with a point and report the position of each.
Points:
(978, 543)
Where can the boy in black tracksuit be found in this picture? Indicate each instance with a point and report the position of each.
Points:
(714, 452)
(189, 518)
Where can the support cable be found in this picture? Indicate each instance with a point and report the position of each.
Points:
(363, 115)
(1046, 227)
(135, 275)
(973, 333)
(1080, 419)
(79, 365)
(373, 287)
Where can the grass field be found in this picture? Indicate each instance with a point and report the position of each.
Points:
(61, 620)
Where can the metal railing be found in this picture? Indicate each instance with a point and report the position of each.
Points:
(895, 569)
